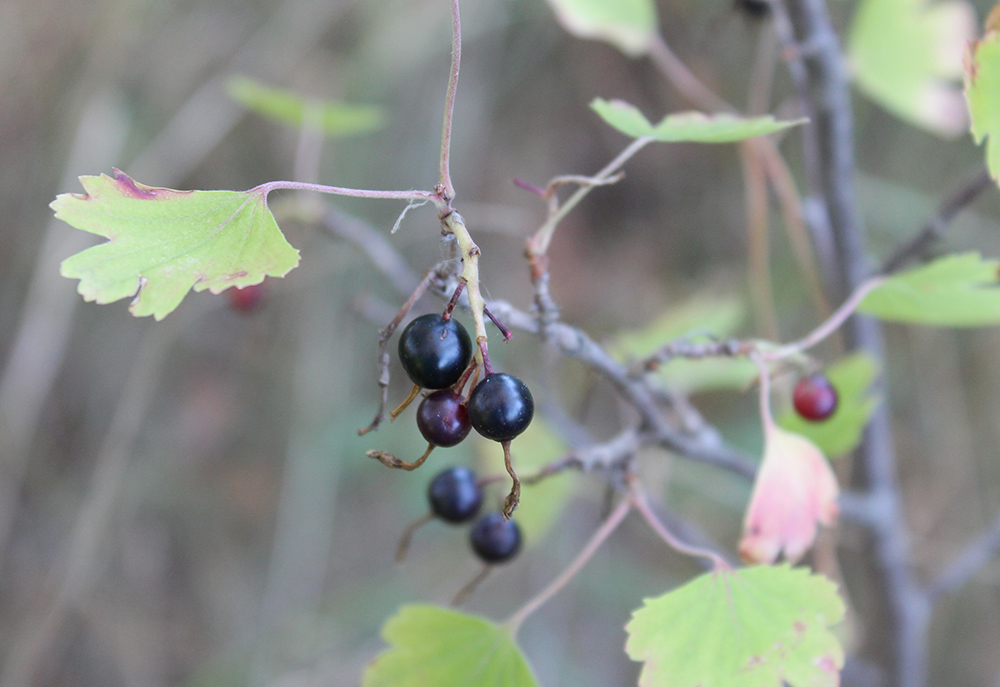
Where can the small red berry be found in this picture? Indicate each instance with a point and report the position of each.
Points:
(246, 299)
(814, 397)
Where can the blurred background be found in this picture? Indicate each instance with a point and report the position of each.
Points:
(187, 502)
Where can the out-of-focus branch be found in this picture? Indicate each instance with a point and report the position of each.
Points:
(977, 554)
(936, 226)
(817, 64)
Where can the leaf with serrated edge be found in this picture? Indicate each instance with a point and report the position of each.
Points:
(162, 243)
(959, 290)
(840, 433)
(332, 118)
(629, 25)
(906, 55)
(687, 127)
(763, 626)
(982, 90)
(430, 646)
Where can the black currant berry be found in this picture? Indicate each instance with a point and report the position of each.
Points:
(494, 539)
(443, 419)
(758, 9)
(814, 397)
(501, 407)
(454, 495)
(434, 351)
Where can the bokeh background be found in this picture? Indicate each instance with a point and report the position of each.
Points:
(188, 503)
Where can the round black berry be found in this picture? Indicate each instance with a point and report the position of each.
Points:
(454, 495)
(494, 539)
(501, 407)
(443, 419)
(434, 351)
(814, 397)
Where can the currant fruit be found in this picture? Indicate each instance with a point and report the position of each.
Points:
(434, 351)
(494, 539)
(501, 407)
(443, 419)
(814, 397)
(247, 299)
(454, 495)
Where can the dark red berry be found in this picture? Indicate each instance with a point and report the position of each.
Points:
(454, 495)
(246, 299)
(814, 397)
(494, 539)
(434, 351)
(443, 419)
(501, 407)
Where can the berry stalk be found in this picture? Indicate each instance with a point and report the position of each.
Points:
(453, 222)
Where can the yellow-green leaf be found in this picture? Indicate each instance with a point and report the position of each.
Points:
(692, 127)
(629, 25)
(906, 55)
(982, 90)
(431, 646)
(330, 117)
(162, 243)
(953, 291)
(764, 626)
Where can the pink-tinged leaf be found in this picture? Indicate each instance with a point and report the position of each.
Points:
(795, 492)
(162, 242)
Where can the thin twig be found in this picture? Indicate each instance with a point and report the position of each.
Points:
(641, 504)
(935, 228)
(515, 621)
(970, 561)
(449, 103)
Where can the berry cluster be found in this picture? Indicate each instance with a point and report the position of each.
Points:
(436, 353)
(455, 496)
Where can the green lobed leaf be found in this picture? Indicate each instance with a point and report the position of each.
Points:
(954, 291)
(763, 626)
(161, 242)
(906, 54)
(629, 25)
(839, 434)
(430, 645)
(982, 90)
(690, 127)
(330, 117)
(542, 502)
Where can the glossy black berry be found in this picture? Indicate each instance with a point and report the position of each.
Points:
(443, 419)
(501, 407)
(814, 397)
(454, 495)
(434, 351)
(494, 539)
